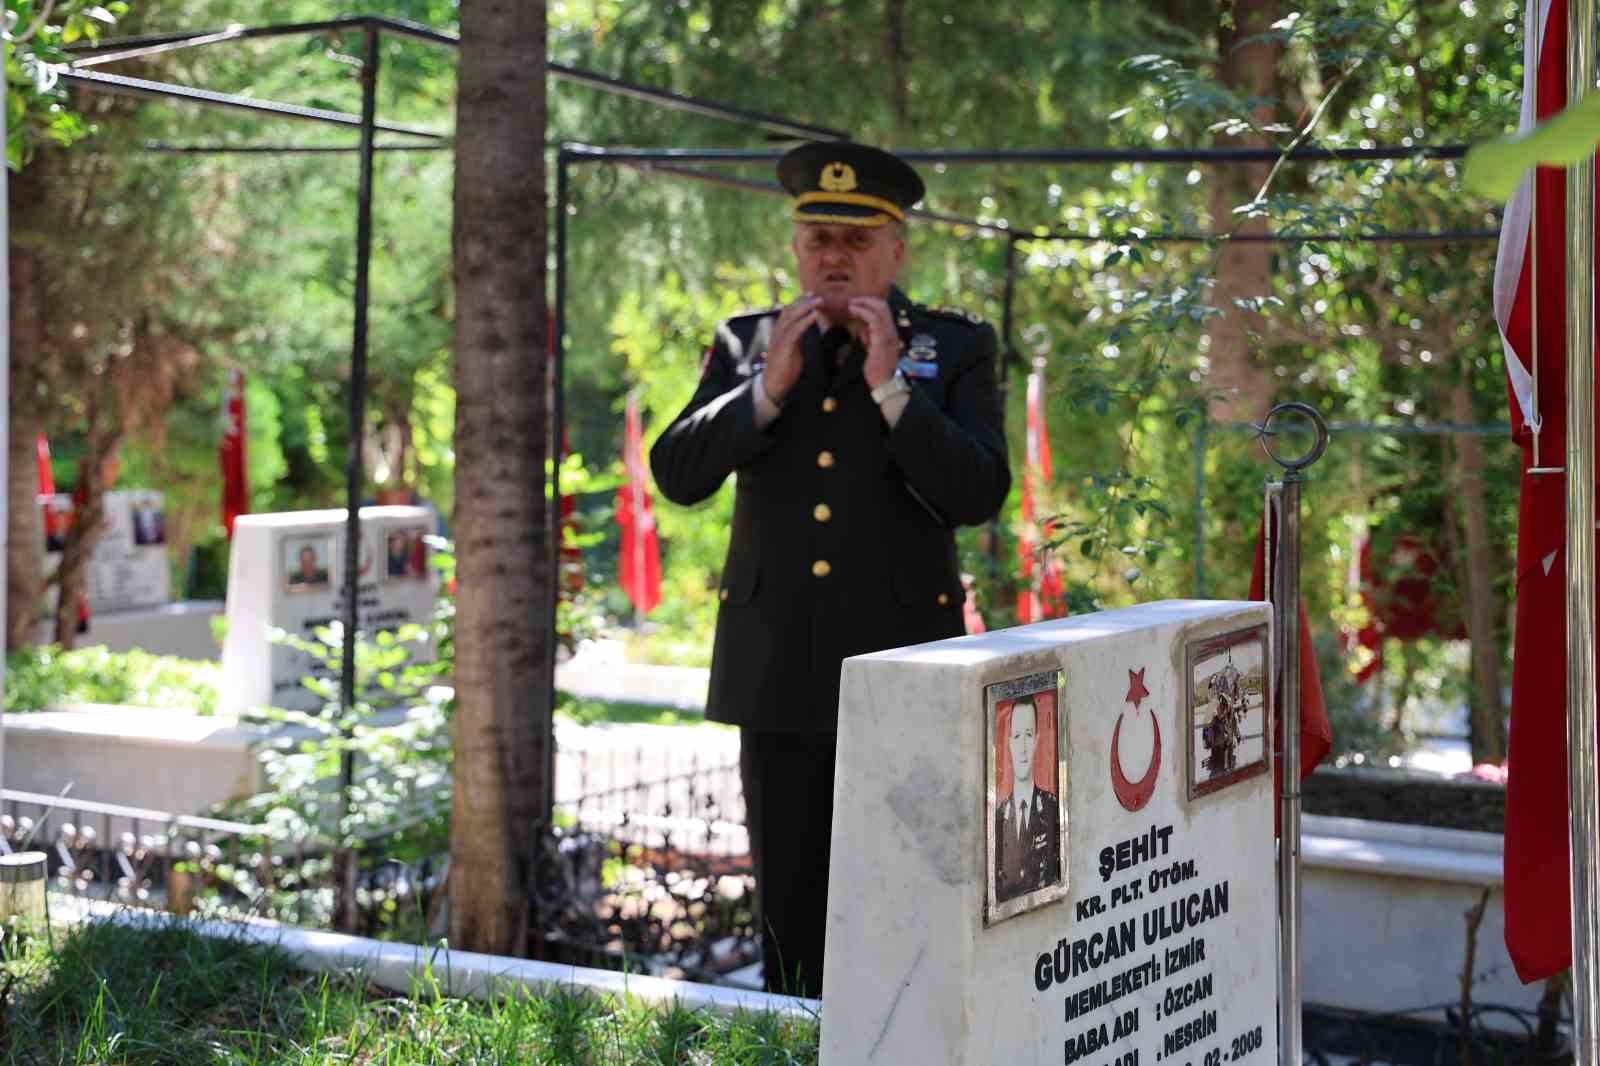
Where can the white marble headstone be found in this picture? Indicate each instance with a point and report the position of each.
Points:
(286, 571)
(128, 567)
(1135, 925)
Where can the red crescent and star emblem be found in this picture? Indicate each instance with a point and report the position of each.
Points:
(1133, 795)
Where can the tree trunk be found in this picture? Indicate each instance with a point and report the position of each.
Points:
(24, 520)
(24, 523)
(501, 728)
(1487, 723)
(1242, 387)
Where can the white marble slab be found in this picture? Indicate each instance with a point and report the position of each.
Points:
(286, 571)
(922, 966)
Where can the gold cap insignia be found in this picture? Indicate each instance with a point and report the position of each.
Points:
(838, 177)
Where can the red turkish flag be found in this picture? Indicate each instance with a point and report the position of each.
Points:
(1042, 594)
(640, 566)
(1400, 596)
(1537, 886)
(230, 454)
(45, 489)
(46, 476)
(1316, 735)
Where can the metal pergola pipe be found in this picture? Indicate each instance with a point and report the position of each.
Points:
(1071, 156)
(1044, 234)
(288, 149)
(120, 85)
(102, 52)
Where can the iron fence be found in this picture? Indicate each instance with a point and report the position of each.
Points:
(651, 865)
(183, 863)
(647, 866)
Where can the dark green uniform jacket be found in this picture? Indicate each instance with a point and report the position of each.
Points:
(843, 530)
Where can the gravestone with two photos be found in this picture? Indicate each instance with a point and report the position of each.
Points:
(128, 567)
(1054, 844)
(286, 572)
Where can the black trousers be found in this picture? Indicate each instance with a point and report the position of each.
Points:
(788, 798)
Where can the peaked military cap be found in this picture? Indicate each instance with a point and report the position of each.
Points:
(838, 181)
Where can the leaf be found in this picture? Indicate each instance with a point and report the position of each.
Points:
(1494, 167)
(100, 14)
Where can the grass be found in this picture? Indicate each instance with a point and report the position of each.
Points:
(159, 994)
(594, 712)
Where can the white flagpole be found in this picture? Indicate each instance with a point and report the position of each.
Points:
(1582, 786)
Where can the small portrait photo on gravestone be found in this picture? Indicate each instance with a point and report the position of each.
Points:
(1227, 702)
(1026, 781)
(406, 554)
(307, 563)
(149, 522)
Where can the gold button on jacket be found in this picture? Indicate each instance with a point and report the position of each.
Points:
(825, 459)
(821, 568)
(822, 512)
(829, 405)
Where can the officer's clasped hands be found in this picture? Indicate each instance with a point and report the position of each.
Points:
(882, 340)
(784, 358)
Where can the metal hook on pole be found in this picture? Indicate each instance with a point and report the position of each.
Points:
(1283, 585)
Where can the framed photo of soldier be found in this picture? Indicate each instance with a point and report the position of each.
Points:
(1025, 812)
(405, 554)
(307, 563)
(149, 521)
(1227, 693)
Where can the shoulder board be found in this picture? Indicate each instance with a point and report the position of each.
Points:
(761, 313)
(955, 313)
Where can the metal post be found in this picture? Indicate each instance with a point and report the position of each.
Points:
(1287, 575)
(1008, 354)
(1581, 740)
(1283, 504)
(354, 472)
(1008, 350)
(5, 401)
(1202, 434)
(558, 419)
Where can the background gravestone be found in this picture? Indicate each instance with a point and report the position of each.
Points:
(286, 571)
(128, 567)
(1135, 923)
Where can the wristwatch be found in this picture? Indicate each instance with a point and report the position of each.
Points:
(893, 387)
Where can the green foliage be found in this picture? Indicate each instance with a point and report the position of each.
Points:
(36, 31)
(39, 678)
(157, 993)
(395, 734)
(1493, 169)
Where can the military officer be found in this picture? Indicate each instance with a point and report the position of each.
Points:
(861, 429)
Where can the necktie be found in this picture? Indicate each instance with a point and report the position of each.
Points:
(835, 342)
